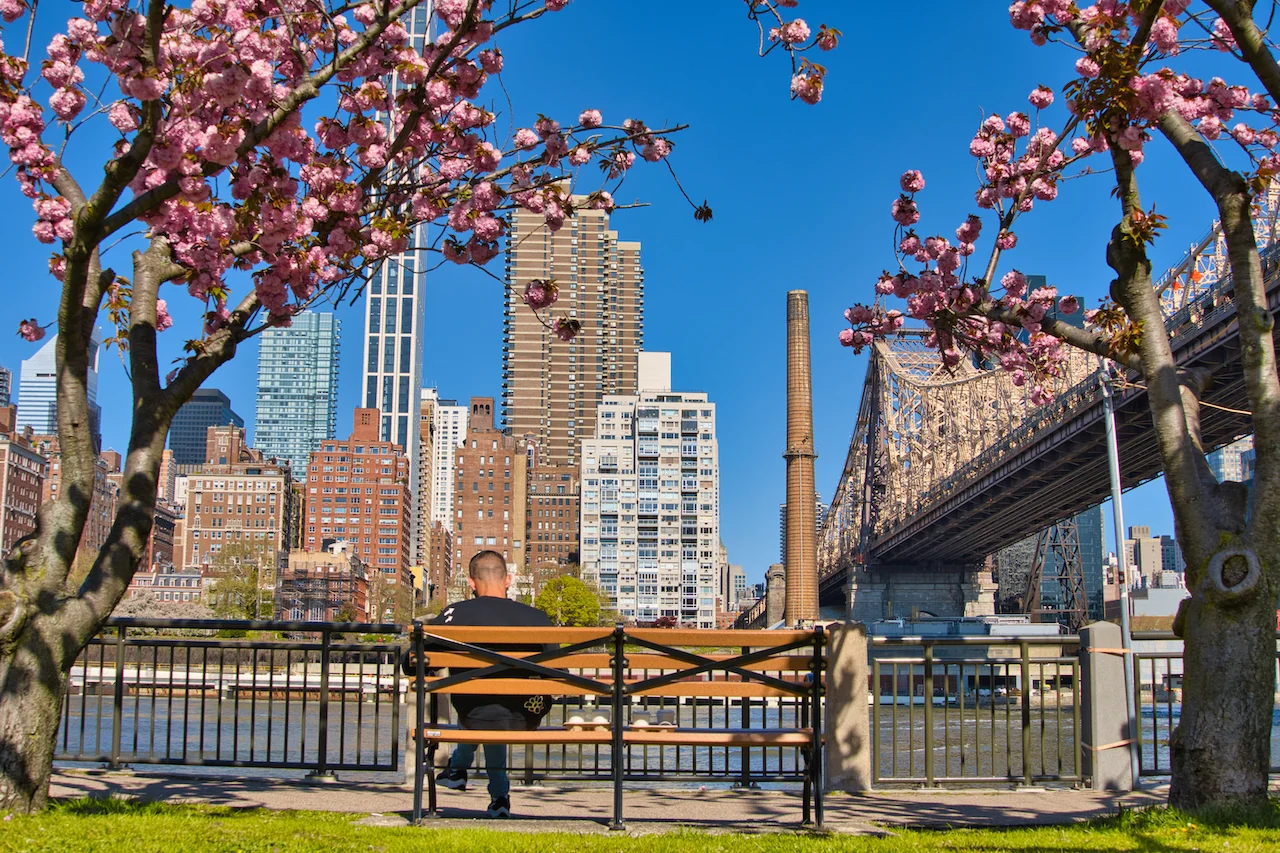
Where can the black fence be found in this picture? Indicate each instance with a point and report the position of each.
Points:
(310, 698)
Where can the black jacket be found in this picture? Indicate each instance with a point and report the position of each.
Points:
(478, 711)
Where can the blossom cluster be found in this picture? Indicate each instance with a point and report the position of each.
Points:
(1121, 90)
(206, 101)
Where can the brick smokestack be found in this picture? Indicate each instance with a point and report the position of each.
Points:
(802, 540)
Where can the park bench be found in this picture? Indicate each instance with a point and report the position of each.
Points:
(615, 668)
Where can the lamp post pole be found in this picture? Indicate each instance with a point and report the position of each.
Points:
(1126, 638)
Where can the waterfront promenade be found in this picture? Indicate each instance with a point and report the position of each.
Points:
(586, 808)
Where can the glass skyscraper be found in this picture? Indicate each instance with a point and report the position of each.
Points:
(394, 318)
(189, 432)
(38, 389)
(297, 389)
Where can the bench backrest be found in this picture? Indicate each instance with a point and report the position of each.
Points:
(658, 662)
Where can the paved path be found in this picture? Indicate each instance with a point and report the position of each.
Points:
(588, 808)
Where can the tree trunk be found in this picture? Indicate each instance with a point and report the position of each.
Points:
(33, 678)
(1220, 752)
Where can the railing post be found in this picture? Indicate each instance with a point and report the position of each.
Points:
(928, 714)
(849, 740)
(619, 667)
(1105, 728)
(321, 773)
(818, 642)
(420, 721)
(1026, 712)
(117, 701)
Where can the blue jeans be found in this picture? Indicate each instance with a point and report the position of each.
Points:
(495, 765)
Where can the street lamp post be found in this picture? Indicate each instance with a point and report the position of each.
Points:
(1117, 509)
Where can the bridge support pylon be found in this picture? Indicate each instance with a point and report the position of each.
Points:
(905, 591)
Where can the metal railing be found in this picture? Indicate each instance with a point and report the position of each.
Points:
(1158, 699)
(975, 709)
(314, 701)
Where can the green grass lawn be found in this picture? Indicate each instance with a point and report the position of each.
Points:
(131, 827)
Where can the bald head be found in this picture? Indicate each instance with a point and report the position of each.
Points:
(488, 574)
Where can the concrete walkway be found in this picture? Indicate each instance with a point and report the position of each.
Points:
(588, 808)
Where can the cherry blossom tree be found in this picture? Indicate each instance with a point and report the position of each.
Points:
(271, 153)
(1125, 94)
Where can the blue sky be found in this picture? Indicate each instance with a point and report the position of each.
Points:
(801, 198)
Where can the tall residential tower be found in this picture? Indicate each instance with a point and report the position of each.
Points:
(651, 501)
(550, 388)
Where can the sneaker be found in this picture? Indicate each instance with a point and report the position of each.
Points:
(455, 780)
(501, 807)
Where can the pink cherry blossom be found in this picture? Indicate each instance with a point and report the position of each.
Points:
(1088, 67)
(163, 320)
(1068, 305)
(793, 32)
(590, 118)
(912, 181)
(1006, 240)
(904, 211)
(31, 330)
(1041, 97)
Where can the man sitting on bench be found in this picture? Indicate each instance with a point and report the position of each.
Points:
(488, 579)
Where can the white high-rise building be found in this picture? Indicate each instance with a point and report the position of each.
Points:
(38, 389)
(650, 517)
(450, 433)
(394, 317)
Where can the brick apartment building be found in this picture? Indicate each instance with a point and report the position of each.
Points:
(551, 537)
(106, 491)
(237, 497)
(489, 502)
(439, 564)
(358, 490)
(22, 474)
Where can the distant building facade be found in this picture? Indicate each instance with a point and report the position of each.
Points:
(189, 432)
(489, 491)
(22, 475)
(551, 388)
(6, 386)
(38, 390)
(318, 586)
(358, 491)
(297, 388)
(551, 539)
(1227, 463)
(651, 501)
(236, 498)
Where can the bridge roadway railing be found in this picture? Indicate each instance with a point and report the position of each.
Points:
(267, 697)
(1205, 311)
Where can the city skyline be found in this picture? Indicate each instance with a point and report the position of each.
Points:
(713, 291)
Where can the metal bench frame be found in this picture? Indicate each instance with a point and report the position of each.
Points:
(429, 734)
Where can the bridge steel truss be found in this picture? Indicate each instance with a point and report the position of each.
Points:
(950, 466)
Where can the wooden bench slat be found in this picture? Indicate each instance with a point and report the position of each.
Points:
(717, 639)
(520, 687)
(732, 689)
(778, 663)
(484, 635)
(659, 735)
(650, 736)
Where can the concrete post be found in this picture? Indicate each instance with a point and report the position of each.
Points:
(775, 592)
(1104, 715)
(847, 727)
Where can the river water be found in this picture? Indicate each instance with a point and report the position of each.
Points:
(207, 734)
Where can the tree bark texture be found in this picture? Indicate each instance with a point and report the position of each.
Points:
(1220, 753)
(33, 677)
